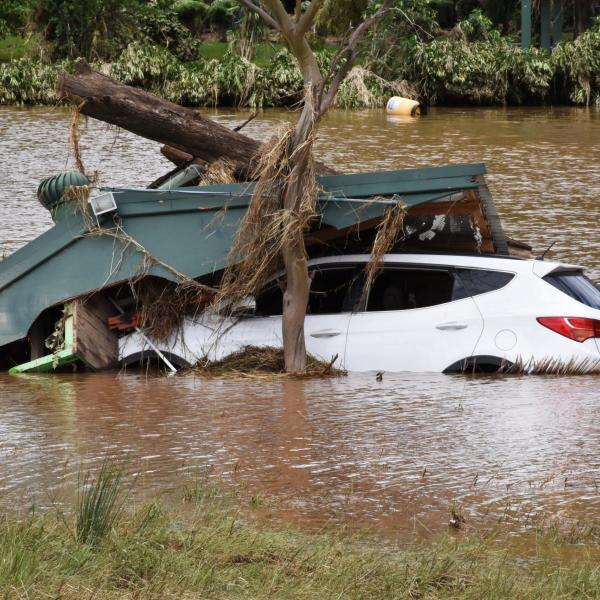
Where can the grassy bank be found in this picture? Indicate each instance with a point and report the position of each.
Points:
(204, 544)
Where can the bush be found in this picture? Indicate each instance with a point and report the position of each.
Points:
(578, 67)
(27, 81)
(93, 29)
(160, 25)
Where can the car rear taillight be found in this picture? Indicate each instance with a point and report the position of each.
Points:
(575, 328)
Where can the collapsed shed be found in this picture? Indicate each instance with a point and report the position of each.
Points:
(65, 296)
(184, 234)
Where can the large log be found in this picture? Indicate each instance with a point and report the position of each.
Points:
(157, 119)
(187, 135)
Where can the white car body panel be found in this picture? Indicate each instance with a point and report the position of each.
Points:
(401, 340)
(500, 324)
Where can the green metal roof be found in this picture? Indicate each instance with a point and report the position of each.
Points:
(188, 229)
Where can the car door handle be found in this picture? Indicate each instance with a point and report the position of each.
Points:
(325, 333)
(453, 326)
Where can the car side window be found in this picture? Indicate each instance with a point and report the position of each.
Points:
(576, 285)
(405, 289)
(334, 290)
(480, 281)
(270, 301)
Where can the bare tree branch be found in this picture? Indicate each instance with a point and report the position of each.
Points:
(298, 10)
(264, 15)
(349, 52)
(285, 23)
(308, 18)
(242, 125)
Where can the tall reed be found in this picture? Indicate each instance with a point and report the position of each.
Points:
(99, 503)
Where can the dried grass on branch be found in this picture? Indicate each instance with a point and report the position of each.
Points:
(268, 227)
(389, 232)
(74, 136)
(219, 172)
(265, 362)
(162, 306)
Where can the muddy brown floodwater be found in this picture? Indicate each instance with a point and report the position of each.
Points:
(391, 455)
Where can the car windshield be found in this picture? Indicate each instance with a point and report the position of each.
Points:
(576, 285)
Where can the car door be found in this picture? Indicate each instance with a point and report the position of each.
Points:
(333, 291)
(416, 319)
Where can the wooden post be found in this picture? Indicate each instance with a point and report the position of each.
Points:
(525, 23)
(545, 24)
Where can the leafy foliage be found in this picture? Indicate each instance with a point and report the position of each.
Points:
(94, 29)
(473, 63)
(578, 66)
(160, 24)
(27, 81)
(13, 15)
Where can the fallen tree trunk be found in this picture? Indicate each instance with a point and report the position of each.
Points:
(144, 114)
(187, 136)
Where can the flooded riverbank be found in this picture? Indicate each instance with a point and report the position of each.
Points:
(391, 455)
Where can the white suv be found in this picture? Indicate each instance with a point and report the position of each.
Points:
(424, 312)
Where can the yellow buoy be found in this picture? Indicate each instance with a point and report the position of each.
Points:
(403, 107)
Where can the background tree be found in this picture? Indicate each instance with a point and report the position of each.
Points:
(93, 29)
(13, 15)
(284, 199)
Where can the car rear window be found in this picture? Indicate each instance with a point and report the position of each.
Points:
(576, 285)
(480, 281)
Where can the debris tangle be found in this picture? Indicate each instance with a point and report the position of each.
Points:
(263, 362)
(389, 232)
(268, 227)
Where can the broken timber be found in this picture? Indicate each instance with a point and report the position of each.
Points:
(186, 134)
(85, 339)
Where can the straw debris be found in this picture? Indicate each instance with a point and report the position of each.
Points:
(218, 172)
(265, 362)
(163, 306)
(389, 232)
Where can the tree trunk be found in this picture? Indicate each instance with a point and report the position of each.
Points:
(151, 117)
(295, 301)
(297, 292)
(582, 13)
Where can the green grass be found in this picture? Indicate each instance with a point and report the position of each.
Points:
(203, 544)
(99, 504)
(263, 51)
(15, 47)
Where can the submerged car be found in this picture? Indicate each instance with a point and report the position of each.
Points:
(423, 312)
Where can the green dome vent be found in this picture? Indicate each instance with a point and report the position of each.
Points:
(50, 192)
